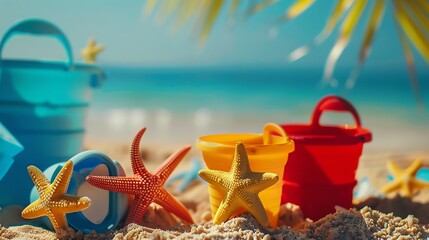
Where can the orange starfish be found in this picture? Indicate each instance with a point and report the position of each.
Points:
(53, 201)
(145, 186)
(405, 179)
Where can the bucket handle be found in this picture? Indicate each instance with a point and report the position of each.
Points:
(271, 129)
(41, 28)
(333, 103)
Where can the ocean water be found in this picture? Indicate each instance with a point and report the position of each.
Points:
(178, 105)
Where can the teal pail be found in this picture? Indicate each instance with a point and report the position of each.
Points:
(43, 104)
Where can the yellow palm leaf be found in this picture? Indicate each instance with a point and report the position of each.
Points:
(186, 10)
(260, 6)
(149, 7)
(297, 8)
(347, 29)
(412, 30)
(211, 15)
(373, 24)
(339, 10)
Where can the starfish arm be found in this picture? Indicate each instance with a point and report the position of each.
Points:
(252, 203)
(407, 189)
(136, 160)
(98, 49)
(137, 210)
(420, 184)
(128, 185)
(414, 167)
(69, 204)
(34, 210)
(226, 208)
(39, 180)
(264, 180)
(394, 169)
(214, 177)
(240, 165)
(167, 201)
(58, 220)
(395, 185)
(62, 180)
(165, 170)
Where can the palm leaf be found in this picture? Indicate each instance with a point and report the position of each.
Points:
(347, 29)
(297, 8)
(149, 7)
(339, 10)
(411, 29)
(210, 18)
(373, 24)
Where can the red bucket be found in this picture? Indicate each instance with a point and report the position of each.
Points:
(320, 173)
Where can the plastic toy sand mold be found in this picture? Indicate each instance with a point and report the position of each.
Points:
(267, 152)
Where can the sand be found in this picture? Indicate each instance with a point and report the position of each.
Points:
(392, 217)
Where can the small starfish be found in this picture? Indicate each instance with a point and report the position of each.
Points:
(187, 176)
(145, 186)
(90, 53)
(242, 187)
(405, 180)
(53, 201)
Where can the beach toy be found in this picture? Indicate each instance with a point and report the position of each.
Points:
(365, 189)
(9, 147)
(145, 186)
(320, 173)
(43, 104)
(187, 177)
(405, 180)
(107, 208)
(54, 202)
(267, 152)
(90, 53)
(242, 186)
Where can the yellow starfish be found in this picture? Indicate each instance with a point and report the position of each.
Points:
(405, 180)
(53, 201)
(90, 53)
(242, 187)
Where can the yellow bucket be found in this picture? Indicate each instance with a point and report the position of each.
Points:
(267, 152)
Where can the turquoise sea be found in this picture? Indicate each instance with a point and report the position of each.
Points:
(180, 104)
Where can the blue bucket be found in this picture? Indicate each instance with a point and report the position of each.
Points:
(43, 104)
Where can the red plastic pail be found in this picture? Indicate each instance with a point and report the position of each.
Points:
(320, 173)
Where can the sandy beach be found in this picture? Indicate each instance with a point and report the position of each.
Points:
(373, 218)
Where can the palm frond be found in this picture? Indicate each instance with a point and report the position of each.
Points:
(340, 8)
(411, 29)
(297, 8)
(149, 7)
(373, 24)
(210, 17)
(346, 32)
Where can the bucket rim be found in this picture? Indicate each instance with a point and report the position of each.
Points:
(327, 134)
(50, 64)
(251, 148)
(325, 186)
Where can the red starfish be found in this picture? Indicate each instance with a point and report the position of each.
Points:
(145, 186)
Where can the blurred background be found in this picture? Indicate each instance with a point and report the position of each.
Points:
(236, 81)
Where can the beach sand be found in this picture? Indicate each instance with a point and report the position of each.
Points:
(374, 218)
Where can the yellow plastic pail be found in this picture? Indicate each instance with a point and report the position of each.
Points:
(267, 152)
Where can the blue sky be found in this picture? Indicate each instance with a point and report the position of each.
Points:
(132, 39)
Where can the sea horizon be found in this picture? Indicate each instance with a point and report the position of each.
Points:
(180, 104)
